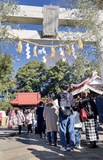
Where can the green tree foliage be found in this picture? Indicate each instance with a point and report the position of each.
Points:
(32, 77)
(35, 77)
(4, 105)
(88, 11)
(56, 76)
(7, 81)
(82, 69)
(63, 72)
(6, 7)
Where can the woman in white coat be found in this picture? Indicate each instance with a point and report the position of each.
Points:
(50, 115)
(29, 121)
(20, 119)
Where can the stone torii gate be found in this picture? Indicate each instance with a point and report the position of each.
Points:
(52, 17)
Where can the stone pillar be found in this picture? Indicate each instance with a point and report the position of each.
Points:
(99, 23)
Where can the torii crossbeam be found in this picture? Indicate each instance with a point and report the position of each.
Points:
(35, 15)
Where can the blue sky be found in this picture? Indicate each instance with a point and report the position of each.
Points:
(37, 2)
(20, 58)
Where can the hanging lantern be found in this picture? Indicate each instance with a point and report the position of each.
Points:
(52, 52)
(19, 47)
(34, 51)
(80, 44)
(68, 50)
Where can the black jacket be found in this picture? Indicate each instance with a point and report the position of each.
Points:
(90, 106)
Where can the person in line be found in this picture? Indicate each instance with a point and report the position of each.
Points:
(29, 121)
(50, 115)
(66, 118)
(34, 124)
(9, 118)
(20, 119)
(40, 119)
(77, 127)
(91, 125)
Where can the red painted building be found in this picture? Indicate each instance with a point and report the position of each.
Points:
(26, 100)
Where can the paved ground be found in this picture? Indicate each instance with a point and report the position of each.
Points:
(31, 147)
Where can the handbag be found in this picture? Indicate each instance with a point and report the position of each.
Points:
(83, 115)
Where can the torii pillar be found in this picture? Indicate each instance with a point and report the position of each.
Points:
(99, 43)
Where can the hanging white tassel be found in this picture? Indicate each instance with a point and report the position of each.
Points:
(73, 51)
(61, 52)
(28, 51)
(44, 59)
(44, 51)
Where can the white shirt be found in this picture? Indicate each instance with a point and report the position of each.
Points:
(78, 123)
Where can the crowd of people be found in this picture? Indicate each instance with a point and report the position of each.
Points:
(51, 119)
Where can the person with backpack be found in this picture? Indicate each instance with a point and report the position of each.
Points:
(66, 118)
(91, 125)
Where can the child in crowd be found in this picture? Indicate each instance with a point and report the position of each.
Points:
(78, 128)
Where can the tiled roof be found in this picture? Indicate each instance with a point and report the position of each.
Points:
(29, 98)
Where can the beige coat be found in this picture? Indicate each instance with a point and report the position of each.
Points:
(50, 115)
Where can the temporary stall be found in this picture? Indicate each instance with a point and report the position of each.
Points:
(2, 118)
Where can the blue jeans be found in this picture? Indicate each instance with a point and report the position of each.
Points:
(78, 132)
(67, 126)
(52, 136)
